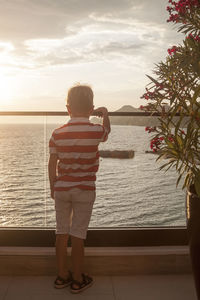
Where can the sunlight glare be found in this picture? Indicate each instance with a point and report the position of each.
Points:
(6, 91)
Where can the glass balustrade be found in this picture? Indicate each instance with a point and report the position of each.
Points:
(131, 192)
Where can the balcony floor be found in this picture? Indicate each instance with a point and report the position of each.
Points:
(151, 287)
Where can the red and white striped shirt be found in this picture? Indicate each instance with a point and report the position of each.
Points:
(76, 145)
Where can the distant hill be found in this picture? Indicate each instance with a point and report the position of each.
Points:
(128, 108)
(136, 121)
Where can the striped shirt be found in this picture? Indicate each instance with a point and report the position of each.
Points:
(76, 145)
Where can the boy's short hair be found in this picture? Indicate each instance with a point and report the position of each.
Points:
(80, 98)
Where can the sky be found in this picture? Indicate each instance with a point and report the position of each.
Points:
(46, 46)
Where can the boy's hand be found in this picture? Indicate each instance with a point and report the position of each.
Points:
(100, 111)
(103, 112)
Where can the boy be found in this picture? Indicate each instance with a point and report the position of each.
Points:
(73, 163)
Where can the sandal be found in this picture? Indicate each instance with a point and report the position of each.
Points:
(60, 282)
(86, 283)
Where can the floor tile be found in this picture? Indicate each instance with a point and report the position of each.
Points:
(71, 297)
(23, 284)
(50, 297)
(41, 287)
(5, 281)
(102, 286)
(152, 287)
(83, 296)
(25, 287)
(173, 287)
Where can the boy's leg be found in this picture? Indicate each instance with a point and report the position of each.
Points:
(61, 252)
(63, 219)
(77, 257)
(82, 208)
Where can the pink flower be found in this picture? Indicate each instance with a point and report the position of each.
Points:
(181, 8)
(191, 36)
(169, 8)
(144, 96)
(173, 18)
(172, 50)
(148, 95)
(197, 38)
(156, 142)
(171, 139)
(160, 86)
(151, 129)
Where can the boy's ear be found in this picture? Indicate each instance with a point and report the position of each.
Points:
(68, 109)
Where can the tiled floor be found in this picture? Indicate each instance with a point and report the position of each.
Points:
(152, 287)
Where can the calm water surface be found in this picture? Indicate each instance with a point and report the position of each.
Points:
(130, 192)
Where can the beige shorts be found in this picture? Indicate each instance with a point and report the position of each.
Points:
(73, 211)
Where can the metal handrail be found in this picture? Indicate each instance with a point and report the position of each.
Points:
(64, 113)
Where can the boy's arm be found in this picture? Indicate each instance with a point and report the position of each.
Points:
(104, 114)
(52, 168)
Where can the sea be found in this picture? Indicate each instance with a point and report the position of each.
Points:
(130, 192)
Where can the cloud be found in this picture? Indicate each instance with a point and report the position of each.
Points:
(87, 46)
(29, 19)
(38, 19)
(41, 33)
(6, 47)
(47, 45)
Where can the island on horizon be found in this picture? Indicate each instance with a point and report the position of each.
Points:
(129, 120)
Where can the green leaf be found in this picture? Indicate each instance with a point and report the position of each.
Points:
(173, 152)
(170, 145)
(152, 79)
(180, 168)
(178, 125)
(171, 165)
(191, 42)
(160, 157)
(186, 181)
(179, 140)
(165, 165)
(178, 180)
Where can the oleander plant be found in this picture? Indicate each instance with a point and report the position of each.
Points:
(174, 93)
